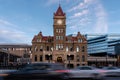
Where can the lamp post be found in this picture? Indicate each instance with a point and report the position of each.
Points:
(30, 57)
(49, 57)
(68, 60)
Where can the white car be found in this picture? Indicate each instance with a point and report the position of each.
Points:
(112, 71)
(87, 72)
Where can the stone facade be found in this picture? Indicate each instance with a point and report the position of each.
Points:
(69, 50)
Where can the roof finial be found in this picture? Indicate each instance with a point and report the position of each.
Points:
(59, 3)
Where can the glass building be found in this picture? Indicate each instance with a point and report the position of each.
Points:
(105, 46)
(97, 45)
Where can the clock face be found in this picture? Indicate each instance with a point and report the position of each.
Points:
(59, 21)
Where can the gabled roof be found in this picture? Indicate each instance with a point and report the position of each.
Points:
(71, 38)
(34, 38)
(59, 12)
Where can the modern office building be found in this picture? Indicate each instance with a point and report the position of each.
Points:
(104, 46)
(14, 53)
(69, 50)
(98, 45)
(114, 48)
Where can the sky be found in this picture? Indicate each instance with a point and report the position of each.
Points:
(20, 20)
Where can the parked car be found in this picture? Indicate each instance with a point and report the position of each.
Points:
(87, 72)
(42, 71)
(112, 71)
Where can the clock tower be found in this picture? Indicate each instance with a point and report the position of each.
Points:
(59, 29)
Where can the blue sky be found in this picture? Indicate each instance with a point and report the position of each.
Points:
(20, 20)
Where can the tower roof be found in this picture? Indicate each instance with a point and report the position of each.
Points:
(59, 12)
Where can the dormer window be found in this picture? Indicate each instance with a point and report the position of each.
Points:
(79, 40)
(38, 40)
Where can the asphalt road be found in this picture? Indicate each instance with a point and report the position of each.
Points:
(107, 78)
(112, 78)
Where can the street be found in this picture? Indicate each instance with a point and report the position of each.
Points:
(112, 78)
(107, 78)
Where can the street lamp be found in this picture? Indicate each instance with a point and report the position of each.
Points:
(49, 57)
(69, 60)
(30, 57)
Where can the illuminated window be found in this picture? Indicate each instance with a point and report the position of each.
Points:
(36, 49)
(78, 49)
(67, 48)
(41, 48)
(56, 46)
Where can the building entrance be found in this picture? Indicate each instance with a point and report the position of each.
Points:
(59, 59)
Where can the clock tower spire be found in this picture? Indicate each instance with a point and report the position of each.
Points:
(59, 12)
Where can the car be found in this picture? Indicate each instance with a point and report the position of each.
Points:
(112, 71)
(42, 71)
(87, 72)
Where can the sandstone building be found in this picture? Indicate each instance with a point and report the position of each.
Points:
(69, 50)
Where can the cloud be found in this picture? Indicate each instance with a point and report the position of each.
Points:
(85, 21)
(79, 14)
(82, 5)
(89, 1)
(79, 6)
(11, 34)
(101, 25)
(6, 23)
(88, 15)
